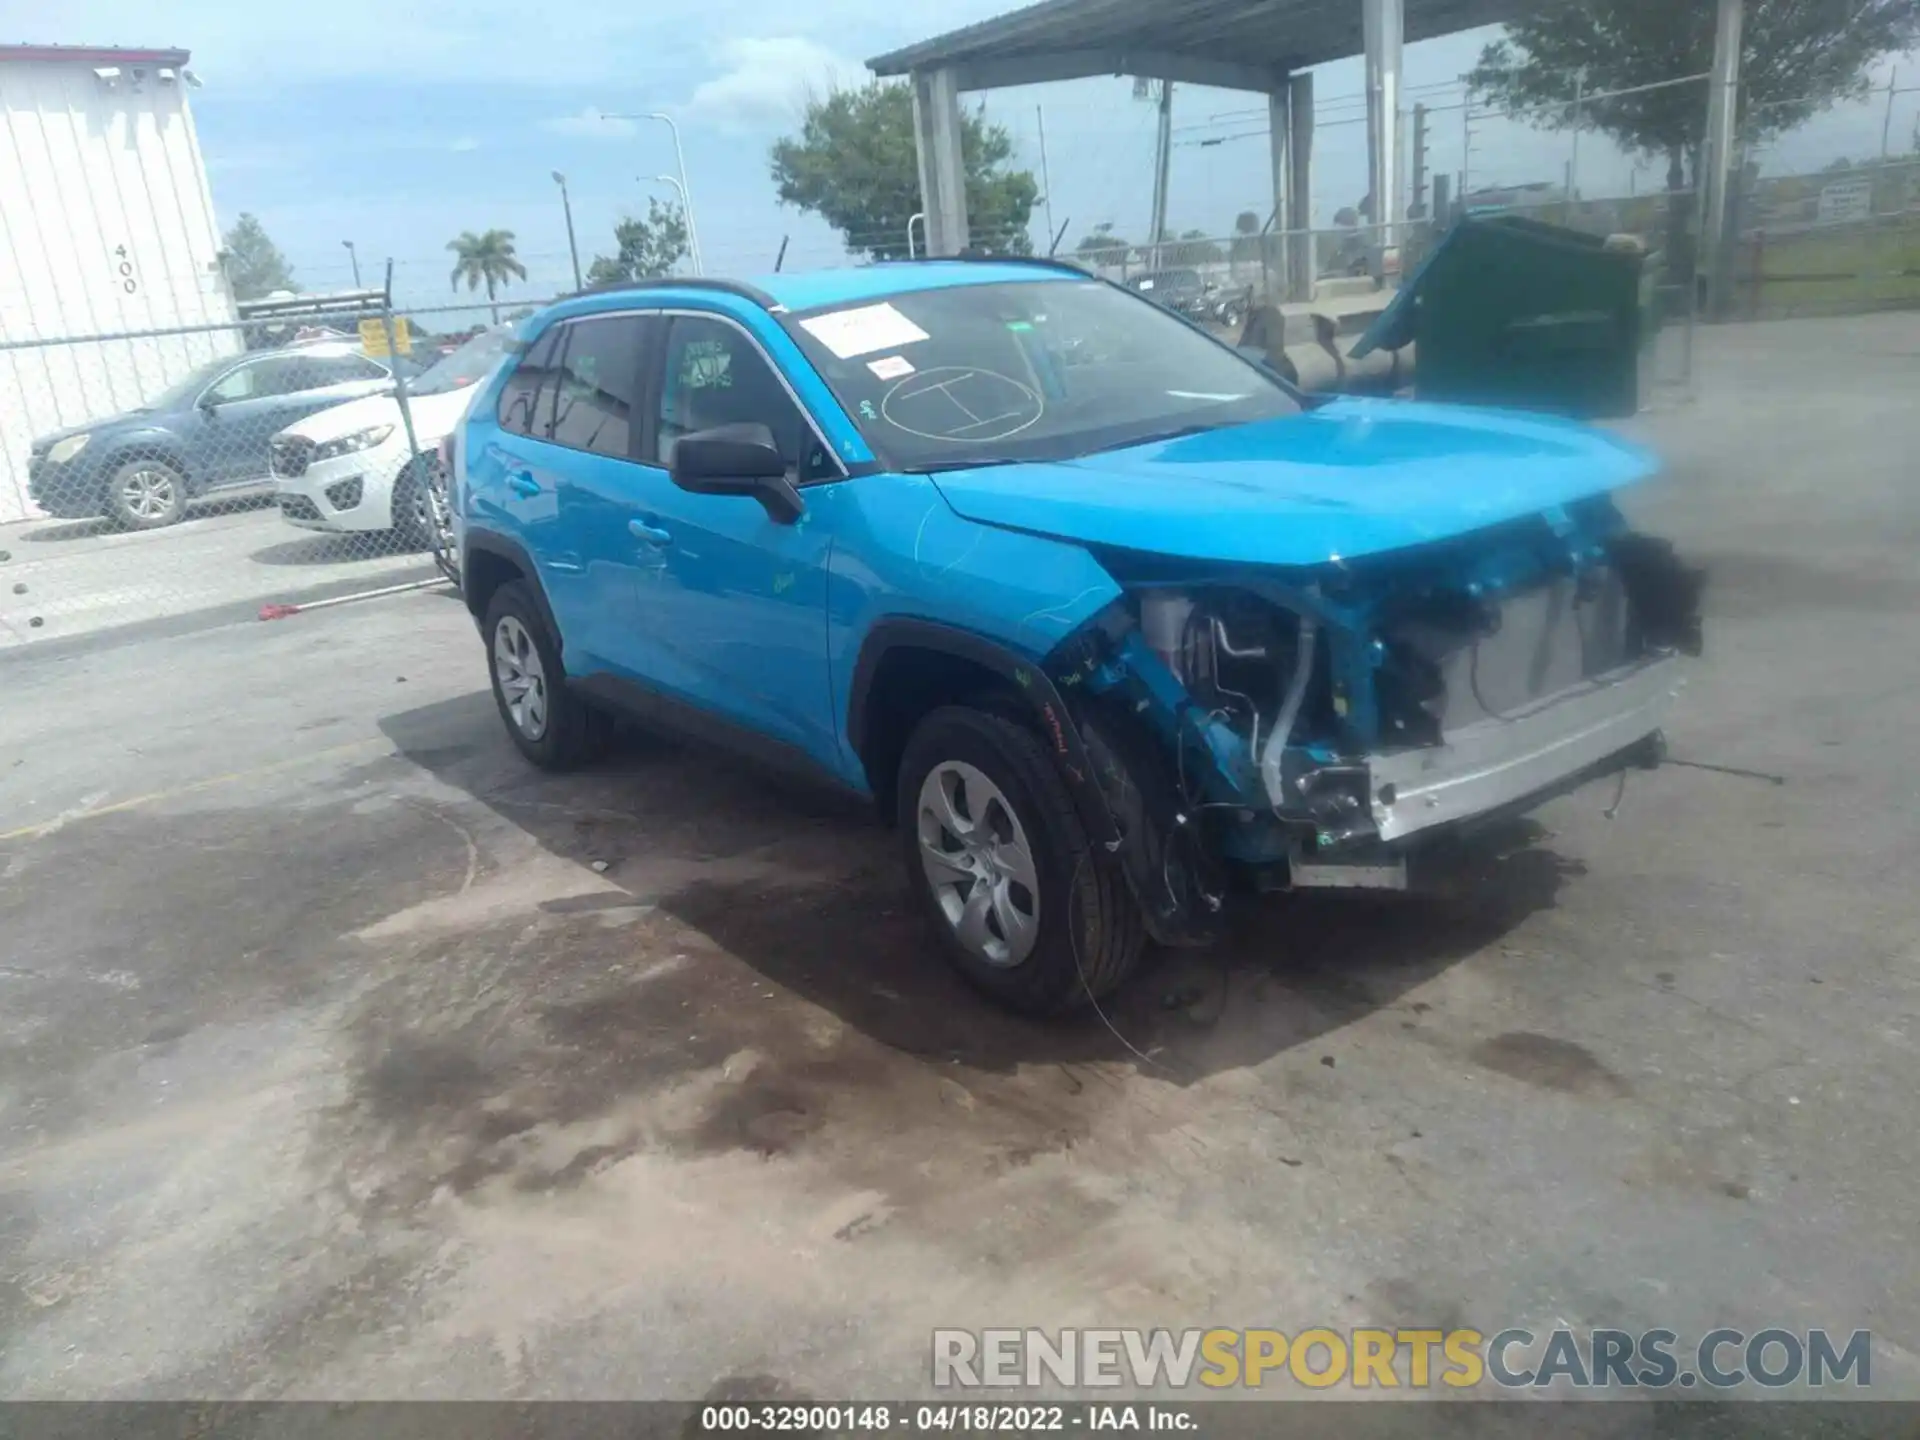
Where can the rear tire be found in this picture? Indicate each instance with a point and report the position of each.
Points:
(146, 495)
(547, 721)
(1028, 910)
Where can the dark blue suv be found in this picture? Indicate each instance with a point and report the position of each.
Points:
(1111, 622)
(205, 433)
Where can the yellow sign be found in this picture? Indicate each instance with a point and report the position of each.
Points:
(373, 337)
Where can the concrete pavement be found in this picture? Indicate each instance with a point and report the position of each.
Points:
(65, 579)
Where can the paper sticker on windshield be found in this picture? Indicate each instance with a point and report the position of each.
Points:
(892, 367)
(848, 333)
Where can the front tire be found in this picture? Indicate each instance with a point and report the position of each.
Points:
(1024, 906)
(146, 495)
(547, 722)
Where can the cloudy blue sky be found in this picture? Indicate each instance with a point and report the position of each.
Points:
(398, 126)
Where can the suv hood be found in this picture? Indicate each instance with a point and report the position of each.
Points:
(433, 416)
(105, 425)
(1354, 477)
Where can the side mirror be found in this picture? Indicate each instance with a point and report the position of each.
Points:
(737, 460)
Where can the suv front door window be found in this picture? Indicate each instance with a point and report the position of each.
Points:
(238, 414)
(714, 374)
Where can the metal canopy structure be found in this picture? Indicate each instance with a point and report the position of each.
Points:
(1235, 44)
(1263, 46)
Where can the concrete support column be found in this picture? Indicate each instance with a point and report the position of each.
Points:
(1301, 264)
(1723, 105)
(943, 175)
(1279, 149)
(1384, 29)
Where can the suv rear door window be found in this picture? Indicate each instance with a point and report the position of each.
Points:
(520, 397)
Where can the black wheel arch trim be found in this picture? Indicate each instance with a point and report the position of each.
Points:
(1167, 920)
(1028, 678)
(492, 542)
(147, 445)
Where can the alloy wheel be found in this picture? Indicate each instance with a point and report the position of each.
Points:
(979, 863)
(523, 680)
(148, 493)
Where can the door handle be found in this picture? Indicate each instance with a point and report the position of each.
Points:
(523, 485)
(652, 534)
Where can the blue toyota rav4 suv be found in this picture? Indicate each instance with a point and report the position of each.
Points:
(1108, 620)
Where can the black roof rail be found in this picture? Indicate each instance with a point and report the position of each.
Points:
(682, 282)
(1051, 262)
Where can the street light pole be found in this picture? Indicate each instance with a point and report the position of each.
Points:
(353, 255)
(573, 249)
(681, 189)
(686, 193)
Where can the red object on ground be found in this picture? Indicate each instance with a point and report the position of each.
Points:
(278, 612)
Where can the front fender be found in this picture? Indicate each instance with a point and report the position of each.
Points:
(147, 443)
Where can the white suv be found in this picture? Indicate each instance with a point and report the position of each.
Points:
(348, 469)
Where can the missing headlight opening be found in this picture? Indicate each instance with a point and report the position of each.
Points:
(1309, 728)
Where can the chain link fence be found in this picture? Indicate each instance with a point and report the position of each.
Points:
(268, 462)
(1824, 209)
(276, 459)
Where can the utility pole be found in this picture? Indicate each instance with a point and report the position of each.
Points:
(1162, 161)
(1886, 125)
(353, 255)
(1573, 160)
(1419, 208)
(566, 204)
(1722, 110)
(1466, 153)
(1046, 180)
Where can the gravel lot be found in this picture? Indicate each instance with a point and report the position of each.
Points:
(341, 1055)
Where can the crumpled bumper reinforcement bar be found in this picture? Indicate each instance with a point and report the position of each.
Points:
(1499, 761)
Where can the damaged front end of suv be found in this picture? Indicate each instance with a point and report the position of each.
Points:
(1297, 726)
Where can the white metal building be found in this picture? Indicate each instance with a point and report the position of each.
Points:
(106, 226)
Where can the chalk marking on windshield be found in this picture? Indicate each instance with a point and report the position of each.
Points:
(943, 379)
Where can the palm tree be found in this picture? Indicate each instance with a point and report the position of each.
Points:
(486, 259)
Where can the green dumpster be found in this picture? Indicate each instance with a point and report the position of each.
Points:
(1510, 311)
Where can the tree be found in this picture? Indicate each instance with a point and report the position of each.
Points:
(1797, 58)
(486, 259)
(1245, 245)
(1100, 246)
(254, 264)
(853, 165)
(646, 248)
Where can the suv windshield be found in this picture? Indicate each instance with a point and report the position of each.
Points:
(1032, 370)
(466, 366)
